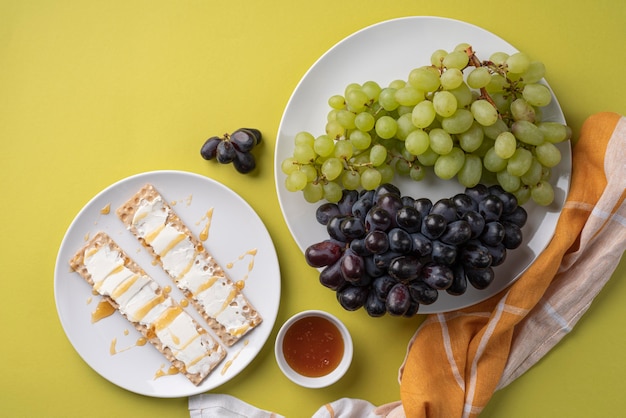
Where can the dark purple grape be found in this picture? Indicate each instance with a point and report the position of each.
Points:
(433, 225)
(352, 266)
(445, 208)
(512, 235)
(358, 246)
(325, 212)
(361, 207)
(409, 219)
(225, 152)
(464, 203)
(367, 194)
(377, 218)
(498, 254)
(490, 208)
(382, 285)
(480, 278)
(509, 201)
(423, 293)
(391, 203)
(476, 255)
(372, 269)
(493, 234)
(443, 253)
(478, 192)
(352, 298)
(423, 206)
(405, 268)
(457, 233)
(374, 306)
(413, 308)
(323, 253)
(421, 244)
(352, 227)
(244, 162)
(398, 300)
(383, 260)
(243, 140)
(459, 283)
(475, 221)
(209, 148)
(348, 199)
(519, 216)
(331, 276)
(254, 132)
(407, 201)
(386, 188)
(333, 227)
(437, 276)
(400, 241)
(377, 241)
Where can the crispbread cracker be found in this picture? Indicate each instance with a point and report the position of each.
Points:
(235, 308)
(214, 352)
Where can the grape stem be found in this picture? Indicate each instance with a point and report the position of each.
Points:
(475, 62)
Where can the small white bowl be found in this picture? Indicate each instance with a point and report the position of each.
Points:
(321, 381)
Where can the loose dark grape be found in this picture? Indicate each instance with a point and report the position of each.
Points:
(443, 253)
(333, 227)
(459, 283)
(382, 285)
(225, 152)
(437, 276)
(323, 253)
(331, 276)
(421, 244)
(464, 203)
(326, 211)
(433, 225)
(409, 219)
(352, 227)
(517, 217)
(475, 221)
(490, 208)
(456, 233)
(398, 300)
(243, 140)
(445, 208)
(478, 192)
(374, 306)
(475, 255)
(244, 162)
(254, 132)
(352, 265)
(423, 293)
(493, 234)
(423, 206)
(405, 268)
(400, 241)
(348, 199)
(512, 235)
(352, 298)
(209, 148)
(377, 218)
(480, 278)
(377, 241)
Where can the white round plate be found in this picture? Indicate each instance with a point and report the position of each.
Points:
(234, 230)
(385, 52)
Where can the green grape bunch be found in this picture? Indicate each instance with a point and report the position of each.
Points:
(459, 117)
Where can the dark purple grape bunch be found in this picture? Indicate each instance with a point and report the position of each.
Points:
(391, 253)
(233, 148)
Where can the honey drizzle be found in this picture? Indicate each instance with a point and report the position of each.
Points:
(204, 234)
(103, 310)
(169, 372)
(240, 284)
(230, 362)
(113, 350)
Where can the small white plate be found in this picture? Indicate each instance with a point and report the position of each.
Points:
(385, 52)
(234, 230)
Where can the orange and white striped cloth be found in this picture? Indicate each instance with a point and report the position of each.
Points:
(456, 360)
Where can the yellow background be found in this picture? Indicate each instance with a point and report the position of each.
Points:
(94, 91)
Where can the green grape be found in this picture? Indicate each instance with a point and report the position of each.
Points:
(334, 129)
(456, 59)
(343, 150)
(371, 179)
(448, 165)
(498, 58)
(310, 171)
(304, 138)
(451, 78)
(323, 145)
(304, 153)
(346, 118)
(496, 129)
(470, 174)
(522, 194)
(423, 114)
(332, 168)
(350, 87)
(542, 193)
(386, 172)
(505, 145)
(537, 95)
(548, 154)
(527, 132)
(458, 122)
(428, 158)
(463, 46)
(378, 155)
(554, 131)
(409, 96)
(313, 192)
(351, 180)
(403, 166)
(418, 172)
(403, 110)
(517, 63)
(479, 77)
(360, 140)
(397, 84)
(522, 110)
(405, 126)
(332, 115)
(387, 99)
(496, 84)
(507, 181)
(492, 162)
(533, 175)
(371, 89)
(364, 121)
(520, 162)
(502, 101)
(332, 192)
(424, 78)
(444, 103)
(471, 139)
(289, 165)
(417, 142)
(357, 99)
(295, 181)
(535, 72)
(484, 112)
(437, 57)
(386, 127)
(337, 101)
(545, 172)
(440, 141)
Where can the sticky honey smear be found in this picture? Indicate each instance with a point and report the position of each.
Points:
(106, 210)
(208, 217)
(230, 361)
(250, 253)
(161, 372)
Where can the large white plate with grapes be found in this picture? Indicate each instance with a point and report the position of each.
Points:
(385, 52)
